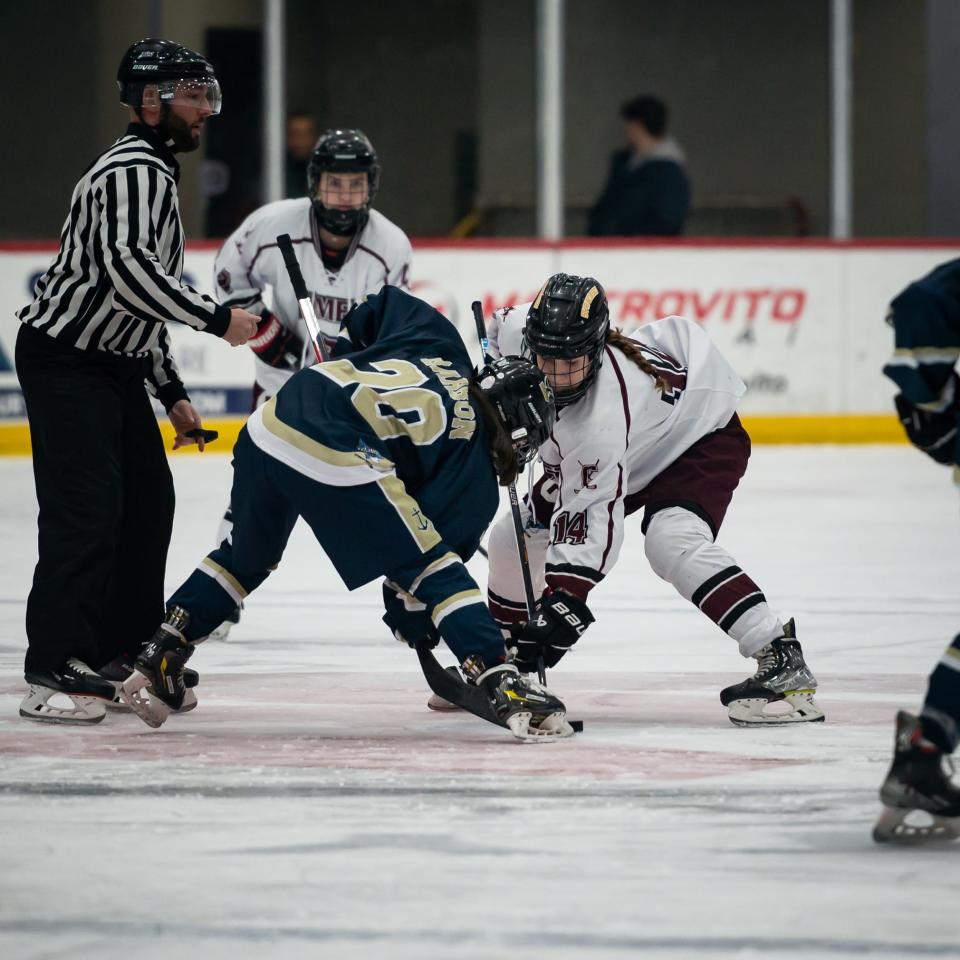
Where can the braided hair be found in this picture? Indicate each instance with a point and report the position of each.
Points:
(631, 350)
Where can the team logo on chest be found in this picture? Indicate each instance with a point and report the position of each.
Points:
(331, 309)
(587, 473)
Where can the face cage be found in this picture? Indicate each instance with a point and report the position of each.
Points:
(187, 92)
(341, 223)
(525, 449)
(564, 397)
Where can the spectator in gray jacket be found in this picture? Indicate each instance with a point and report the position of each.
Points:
(647, 193)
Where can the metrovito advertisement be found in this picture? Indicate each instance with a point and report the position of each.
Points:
(802, 325)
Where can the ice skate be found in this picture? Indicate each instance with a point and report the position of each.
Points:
(436, 702)
(917, 784)
(223, 631)
(531, 712)
(120, 669)
(86, 690)
(157, 686)
(782, 677)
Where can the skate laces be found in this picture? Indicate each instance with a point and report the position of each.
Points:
(768, 661)
(79, 666)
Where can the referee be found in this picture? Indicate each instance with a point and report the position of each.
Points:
(94, 336)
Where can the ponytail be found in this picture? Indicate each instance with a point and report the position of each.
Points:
(631, 350)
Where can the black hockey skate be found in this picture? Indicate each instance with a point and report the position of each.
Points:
(917, 781)
(157, 686)
(782, 677)
(530, 711)
(121, 668)
(87, 691)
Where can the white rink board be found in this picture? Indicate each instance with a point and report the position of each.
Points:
(803, 325)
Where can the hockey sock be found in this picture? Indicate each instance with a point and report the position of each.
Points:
(940, 717)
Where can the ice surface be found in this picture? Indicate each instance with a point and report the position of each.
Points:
(312, 806)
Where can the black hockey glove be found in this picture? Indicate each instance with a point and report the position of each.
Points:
(411, 627)
(558, 623)
(275, 345)
(933, 433)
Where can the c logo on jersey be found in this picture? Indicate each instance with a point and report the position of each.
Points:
(587, 472)
(223, 280)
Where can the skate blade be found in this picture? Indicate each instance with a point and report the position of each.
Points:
(892, 827)
(135, 693)
(222, 632)
(85, 710)
(554, 727)
(801, 708)
(116, 705)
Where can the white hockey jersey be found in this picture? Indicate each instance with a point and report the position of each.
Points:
(249, 273)
(617, 438)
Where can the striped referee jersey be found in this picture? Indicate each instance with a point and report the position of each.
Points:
(115, 284)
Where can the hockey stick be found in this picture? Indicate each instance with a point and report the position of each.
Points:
(477, 309)
(303, 297)
(449, 686)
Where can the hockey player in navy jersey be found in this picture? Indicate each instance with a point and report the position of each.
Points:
(391, 452)
(644, 422)
(926, 367)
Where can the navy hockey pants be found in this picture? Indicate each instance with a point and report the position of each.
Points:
(358, 529)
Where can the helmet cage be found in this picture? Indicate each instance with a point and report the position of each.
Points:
(523, 401)
(342, 151)
(568, 319)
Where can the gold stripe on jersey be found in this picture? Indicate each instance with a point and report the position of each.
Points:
(315, 449)
(419, 525)
(464, 598)
(448, 559)
(224, 577)
(928, 354)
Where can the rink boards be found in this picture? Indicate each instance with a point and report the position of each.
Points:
(801, 322)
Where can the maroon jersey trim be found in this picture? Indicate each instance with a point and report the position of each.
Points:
(626, 445)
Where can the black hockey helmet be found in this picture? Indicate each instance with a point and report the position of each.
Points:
(177, 71)
(569, 318)
(523, 401)
(343, 151)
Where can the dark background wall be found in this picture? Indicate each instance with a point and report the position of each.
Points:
(446, 89)
(405, 73)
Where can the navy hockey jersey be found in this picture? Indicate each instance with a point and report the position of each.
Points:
(926, 358)
(390, 412)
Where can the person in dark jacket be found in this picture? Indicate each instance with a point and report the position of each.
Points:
(647, 193)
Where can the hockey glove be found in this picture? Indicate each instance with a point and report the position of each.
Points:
(409, 626)
(275, 345)
(558, 623)
(933, 433)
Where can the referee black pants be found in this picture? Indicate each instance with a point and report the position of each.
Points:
(106, 503)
